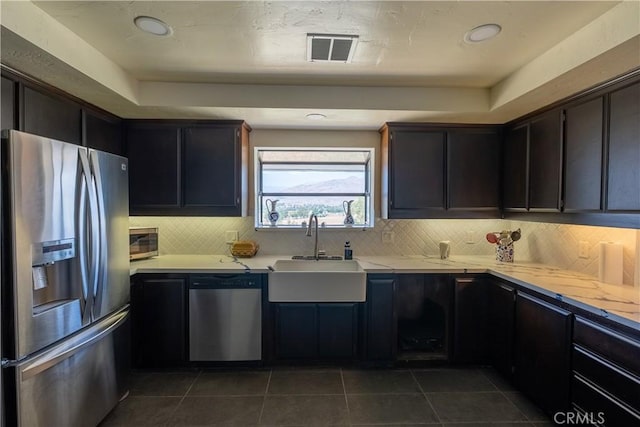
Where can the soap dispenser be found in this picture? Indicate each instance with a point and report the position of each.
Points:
(348, 253)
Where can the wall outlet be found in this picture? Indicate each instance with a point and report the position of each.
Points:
(583, 249)
(470, 237)
(230, 236)
(387, 236)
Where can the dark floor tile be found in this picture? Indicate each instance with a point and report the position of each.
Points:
(437, 380)
(474, 407)
(304, 410)
(230, 383)
(496, 424)
(379, 381)
(528, 408)
(399, 425)
(142, 411)
(390, 409)
(162, 383)
(306, 382)
(209, 411)
(498, 380)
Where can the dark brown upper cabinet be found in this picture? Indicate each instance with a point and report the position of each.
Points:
(7, 109)
(545, 161)
(578, 162)
(416, 173)
(187, 168)
(51, 116)
(33, 107)
(211, 162)
(515, 188)
(154, 168)
(439, 171)
(583, 156)
(103, 132)
(473, 169)
(623, 188)
(533, 164)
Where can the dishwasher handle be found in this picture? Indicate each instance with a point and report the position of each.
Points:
(232, 281)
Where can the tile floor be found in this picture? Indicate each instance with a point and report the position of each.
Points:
(301, 397)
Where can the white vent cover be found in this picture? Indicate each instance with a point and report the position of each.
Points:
(331, 47)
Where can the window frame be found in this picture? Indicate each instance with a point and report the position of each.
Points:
(369, 170)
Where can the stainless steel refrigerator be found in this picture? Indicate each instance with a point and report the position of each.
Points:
(65, 282)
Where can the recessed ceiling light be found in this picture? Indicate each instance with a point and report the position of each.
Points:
(316, 116)
(482, 33)
(152, 25)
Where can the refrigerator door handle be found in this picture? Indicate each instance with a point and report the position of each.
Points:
(101, 264)
(71, 347)
(94, 226)
(82, 249)
(85, 253)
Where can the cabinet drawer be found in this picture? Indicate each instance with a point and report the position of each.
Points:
(615, 381)
(613, 346)
(600, 406)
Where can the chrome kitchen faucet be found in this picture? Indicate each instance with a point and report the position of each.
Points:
(313, 217)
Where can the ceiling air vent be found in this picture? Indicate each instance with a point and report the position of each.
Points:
(331, 47)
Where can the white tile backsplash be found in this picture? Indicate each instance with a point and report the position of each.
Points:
(552, 244)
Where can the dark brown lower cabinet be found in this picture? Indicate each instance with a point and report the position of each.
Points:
(424, 307)
(470, 321)
(158, 307)
(380, 319)
(606, 374)
(309, 331)
(542, 353)
(501, 327)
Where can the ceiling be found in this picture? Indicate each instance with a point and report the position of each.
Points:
(247, 59)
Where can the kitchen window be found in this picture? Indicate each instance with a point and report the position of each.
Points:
(333, 183)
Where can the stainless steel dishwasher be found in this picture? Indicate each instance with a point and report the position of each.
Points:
(225, 317)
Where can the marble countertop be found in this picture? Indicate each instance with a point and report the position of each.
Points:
(620, 303)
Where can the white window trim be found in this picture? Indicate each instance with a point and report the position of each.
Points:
(257, 186)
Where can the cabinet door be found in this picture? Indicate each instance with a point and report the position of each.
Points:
(542, 353)
(154, 172)
(515, 160)
(159, 309)
(623, 189)
(501, 318)
(103, 133)
(473, 169)
(583, 161)
(423, 303)
(296, 331)
(337, 334)
(211, 169)
(380, 319)
(7, 109)
(545, 159)
(51, 117)
(417, 173)
(470, 321)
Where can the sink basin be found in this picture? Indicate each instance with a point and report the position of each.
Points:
(317, 281)
(315, 266)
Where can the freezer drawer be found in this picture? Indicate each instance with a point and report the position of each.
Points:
(77, 382)
(225, 324)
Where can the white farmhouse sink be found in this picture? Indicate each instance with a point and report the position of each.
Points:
(317, 281)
